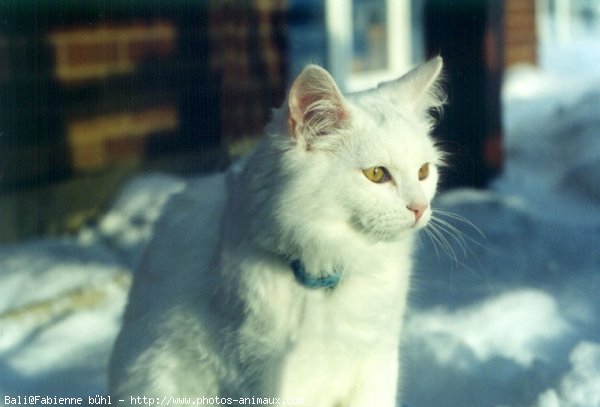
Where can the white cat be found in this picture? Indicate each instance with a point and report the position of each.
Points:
(301, 294)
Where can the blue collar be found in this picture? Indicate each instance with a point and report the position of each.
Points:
(308, 281)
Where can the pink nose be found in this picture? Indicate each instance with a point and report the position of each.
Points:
(418, 209)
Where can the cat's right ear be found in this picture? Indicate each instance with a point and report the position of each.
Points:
(420, 86)
(316, 106)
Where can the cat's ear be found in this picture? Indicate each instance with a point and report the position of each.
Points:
(316, 106)
(420, 86)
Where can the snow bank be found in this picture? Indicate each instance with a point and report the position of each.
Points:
(61, 300)
(59, 313)
(494, 323)
(511, 325)
(580, 387)
(128, 225)
(552, 143)
(512, 318)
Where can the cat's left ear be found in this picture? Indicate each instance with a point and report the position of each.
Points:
(316, 106)
(419, 86)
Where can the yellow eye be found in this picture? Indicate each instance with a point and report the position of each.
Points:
(377, 175)
(424, 171)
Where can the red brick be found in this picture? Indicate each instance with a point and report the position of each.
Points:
(125, 149)
(101, 53)
(520, 36)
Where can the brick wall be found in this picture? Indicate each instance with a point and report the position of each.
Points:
(90, 94)
(98, 90)
(84, 55)
(247, 53)
(100, 82)
(520, 38)
(94, 53)
(106, 139)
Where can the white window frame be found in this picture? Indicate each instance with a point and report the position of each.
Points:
(339, 32)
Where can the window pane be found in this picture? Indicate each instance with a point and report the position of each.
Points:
(369, 35)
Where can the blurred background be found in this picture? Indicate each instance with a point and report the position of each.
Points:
(93, 92)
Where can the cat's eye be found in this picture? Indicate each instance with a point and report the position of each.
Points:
(424, 171)
(377, 175)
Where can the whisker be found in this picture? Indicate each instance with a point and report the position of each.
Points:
(454, 234)
(461, 219)
(448, 236)
(433, 241)
(439, 237)
(453, 229)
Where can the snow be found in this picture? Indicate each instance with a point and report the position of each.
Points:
(128, 226)
(61, 300)
(59, 312)
(508, 326)
(514, 322)
(579, 386)
(504, 311)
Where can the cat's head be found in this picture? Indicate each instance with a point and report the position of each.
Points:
(365, 159)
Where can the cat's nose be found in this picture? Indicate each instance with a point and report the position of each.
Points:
(418, 209)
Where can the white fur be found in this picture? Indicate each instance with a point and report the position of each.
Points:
(215, 309)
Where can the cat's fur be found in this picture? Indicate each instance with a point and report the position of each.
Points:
(224, 315)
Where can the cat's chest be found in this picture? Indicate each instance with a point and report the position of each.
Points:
(359, 310)
(335, 335)
(366, 306)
